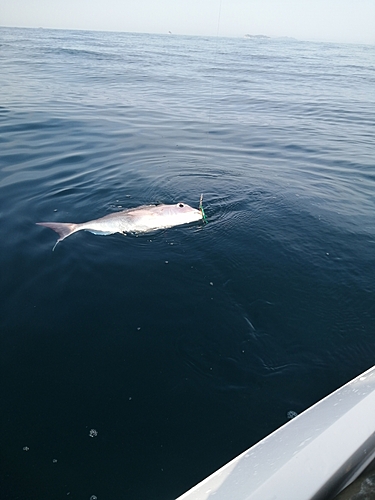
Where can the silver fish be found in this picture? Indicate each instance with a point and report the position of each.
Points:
(133, 220)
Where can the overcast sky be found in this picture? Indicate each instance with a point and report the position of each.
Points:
(326, 20)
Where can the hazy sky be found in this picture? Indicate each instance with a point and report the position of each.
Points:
(328, 20)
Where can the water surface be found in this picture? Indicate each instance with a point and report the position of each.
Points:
(183, 347)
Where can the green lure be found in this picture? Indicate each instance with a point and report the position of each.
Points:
(202, 209)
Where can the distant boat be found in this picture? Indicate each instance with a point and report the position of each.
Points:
(258, 37)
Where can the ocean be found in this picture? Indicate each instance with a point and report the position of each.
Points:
(133, 366)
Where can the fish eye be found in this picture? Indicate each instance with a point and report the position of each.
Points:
(181, 205)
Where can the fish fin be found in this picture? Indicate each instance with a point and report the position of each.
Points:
(63, 229)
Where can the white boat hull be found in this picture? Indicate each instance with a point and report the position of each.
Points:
(313, 456)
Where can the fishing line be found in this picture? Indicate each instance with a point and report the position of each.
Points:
(213, 75)
(210, 102)
(214, 64)
(205, 148)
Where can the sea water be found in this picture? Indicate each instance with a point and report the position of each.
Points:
(134, 366)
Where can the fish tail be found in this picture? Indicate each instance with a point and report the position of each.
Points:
(63, 229)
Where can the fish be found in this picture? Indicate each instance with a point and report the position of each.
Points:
(134, 220)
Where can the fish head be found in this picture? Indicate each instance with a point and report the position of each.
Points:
(183, 213)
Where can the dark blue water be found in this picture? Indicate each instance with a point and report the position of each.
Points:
(183, 347)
